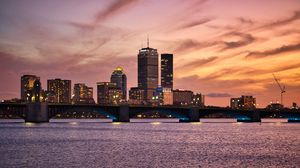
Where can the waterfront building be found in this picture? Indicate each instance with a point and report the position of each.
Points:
(157, 98)
(167, 96)
(198, 100)
(82, 94)
(109, 93)
(275, 106)
(182, 97)
(27, 84)
(294, 105)
(136, 95)
(243, 102)
(167, 71)
(36, 91)
(119, 77)
(234, 103)
(61, 89)
(148, 71)
(48, 96)
(162, 96)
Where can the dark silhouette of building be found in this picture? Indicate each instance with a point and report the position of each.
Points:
(294, 105)
(243, 102)
(182, 97)
(148, 71)
(27, 83)
(48, 96)
(119, 77)
(275, 106)
(109, 93)
(198, 100)
(36, 91)
(167, 71)
(82, 94)
(61, 89)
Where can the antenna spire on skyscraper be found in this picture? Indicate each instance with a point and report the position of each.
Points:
(147, 40)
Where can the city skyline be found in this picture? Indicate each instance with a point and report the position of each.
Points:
(222, 50)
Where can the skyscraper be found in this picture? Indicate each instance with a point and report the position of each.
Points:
(119, 77)
(148, 71)
(27, 83)
(82, 94)
(61, 90)
(167, 71)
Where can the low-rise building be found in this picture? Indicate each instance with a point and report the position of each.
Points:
(82, 94)
(182, 97)
(198, 100)
(243, 102)
(136, 96)
(109, 93)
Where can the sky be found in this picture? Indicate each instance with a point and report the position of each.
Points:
(222, 49)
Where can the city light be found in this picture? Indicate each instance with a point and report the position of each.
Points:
(29, 124)
(196, 123)
(149, 83)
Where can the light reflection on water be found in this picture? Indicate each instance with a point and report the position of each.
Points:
(153, 144)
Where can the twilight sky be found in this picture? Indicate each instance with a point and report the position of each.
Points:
(221, 48)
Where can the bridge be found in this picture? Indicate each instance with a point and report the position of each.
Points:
(42, 112)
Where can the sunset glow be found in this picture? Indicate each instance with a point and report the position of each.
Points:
(221, 48)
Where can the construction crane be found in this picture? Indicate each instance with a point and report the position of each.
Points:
(282, 89)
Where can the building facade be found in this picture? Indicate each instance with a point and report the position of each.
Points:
(82, 94)
(109, 93)
(182, 97)
(167, 96)
(275, 106)
(243, 102)
(198, 100)
(157, 98)
(148, 71)
(167, 71)
(36, 91)
(119, 77)
(27, 84)
(61, 89)
(136, 96)
(162, 96)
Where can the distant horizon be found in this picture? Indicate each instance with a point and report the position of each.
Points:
(221, 49)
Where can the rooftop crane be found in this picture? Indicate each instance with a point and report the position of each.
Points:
(282, 89)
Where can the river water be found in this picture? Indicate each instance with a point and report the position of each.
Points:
(155, 144)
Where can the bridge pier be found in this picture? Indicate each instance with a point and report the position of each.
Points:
(256, 116)
(37, 112)
(123, 114)
(194, 114)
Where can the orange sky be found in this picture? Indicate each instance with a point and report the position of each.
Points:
(221, 48)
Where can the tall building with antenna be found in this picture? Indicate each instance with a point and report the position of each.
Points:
(148, 71)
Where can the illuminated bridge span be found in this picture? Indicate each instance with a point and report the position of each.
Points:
(42, 112)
